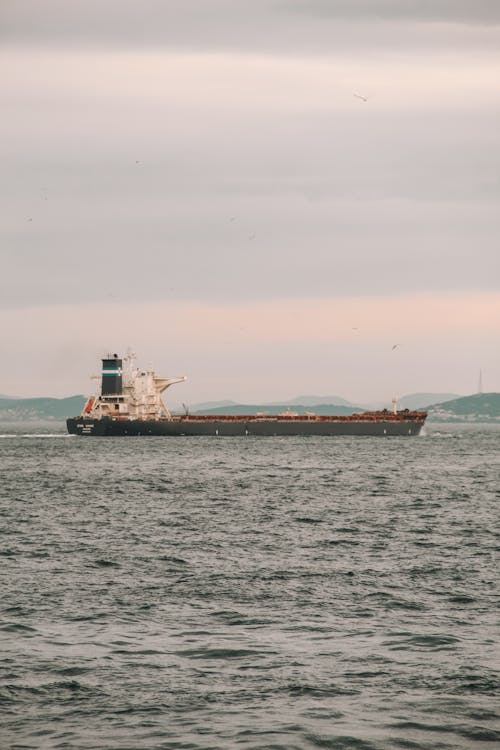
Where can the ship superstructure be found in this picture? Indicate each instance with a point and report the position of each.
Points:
(128, 392)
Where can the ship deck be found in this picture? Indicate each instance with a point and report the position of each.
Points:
(380, 416)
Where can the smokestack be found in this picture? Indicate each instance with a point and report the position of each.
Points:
(111, 384)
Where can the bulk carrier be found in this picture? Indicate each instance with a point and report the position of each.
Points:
(131, 403)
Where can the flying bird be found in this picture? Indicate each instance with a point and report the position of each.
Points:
(358, 96)
(395, 346)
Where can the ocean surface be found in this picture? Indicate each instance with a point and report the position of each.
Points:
(253, 593)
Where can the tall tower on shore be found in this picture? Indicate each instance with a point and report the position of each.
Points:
(480, 382)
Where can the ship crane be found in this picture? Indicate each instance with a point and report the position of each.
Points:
(161, 385)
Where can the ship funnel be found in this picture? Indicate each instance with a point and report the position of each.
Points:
(111, 376)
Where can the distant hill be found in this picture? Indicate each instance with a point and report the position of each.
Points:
(482, 407)
(321, 409)
(314, 401)
(423, 400)
(29, 409)
(210, 405)
(293, 402)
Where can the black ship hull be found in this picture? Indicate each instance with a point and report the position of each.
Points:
(266, 427)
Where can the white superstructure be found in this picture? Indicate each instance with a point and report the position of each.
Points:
(129, 393)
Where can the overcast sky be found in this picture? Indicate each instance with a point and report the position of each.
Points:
(265, 196)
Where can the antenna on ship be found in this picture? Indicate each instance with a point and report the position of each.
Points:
(129, 360)
(395, 405)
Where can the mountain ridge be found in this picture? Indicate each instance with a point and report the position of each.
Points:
(474, 408)
(282, 408)
(480, 407)
(29, 409)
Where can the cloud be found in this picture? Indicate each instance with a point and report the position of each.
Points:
(444, 11)
(277, 247)
(314, 26)
(121, 173)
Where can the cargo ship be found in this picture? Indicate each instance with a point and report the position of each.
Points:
(131, 403)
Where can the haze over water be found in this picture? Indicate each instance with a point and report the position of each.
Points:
(250, 593)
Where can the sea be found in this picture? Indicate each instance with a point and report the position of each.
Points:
(249, 593)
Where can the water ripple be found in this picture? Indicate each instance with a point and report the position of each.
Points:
(288, 594)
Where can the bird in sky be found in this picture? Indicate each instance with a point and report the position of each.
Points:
(251, 236)
(395, 346)
(364, 98)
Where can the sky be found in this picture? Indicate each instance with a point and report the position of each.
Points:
(265, 196)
